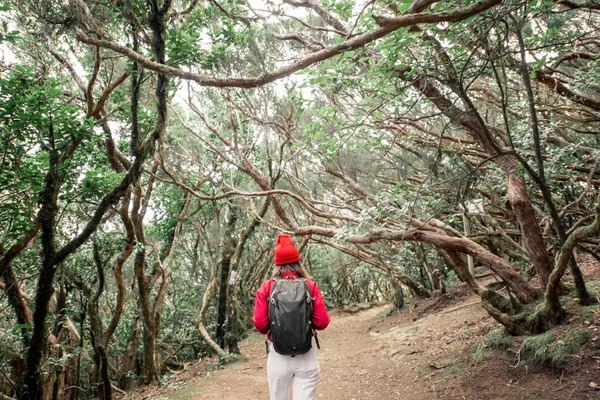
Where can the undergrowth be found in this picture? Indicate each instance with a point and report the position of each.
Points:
(549, 350)
(496, 339)
(480, 355)
(499, 339)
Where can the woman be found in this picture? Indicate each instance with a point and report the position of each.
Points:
(300, 372)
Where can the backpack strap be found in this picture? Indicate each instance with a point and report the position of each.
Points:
(273, 287)
(269, 300)
(310, 304)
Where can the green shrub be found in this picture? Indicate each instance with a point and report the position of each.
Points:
(539, 350)
(588, 315)
(480, 355)
(451, 371)
(573, 340)
(546, 349)
(498, 339)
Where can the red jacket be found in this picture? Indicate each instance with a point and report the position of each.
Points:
(261, 305)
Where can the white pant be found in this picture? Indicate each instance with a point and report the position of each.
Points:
(300, 372)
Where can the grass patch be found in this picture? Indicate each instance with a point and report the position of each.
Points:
(593, 286)
(549, 350)
(422, 370)
(452, 371)
(538, 350)
(480, 355)
(499, 339)
(496, 339)
(575, 339)
(465, 334)
(588, 315)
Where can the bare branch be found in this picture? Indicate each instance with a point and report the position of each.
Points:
(391, 25)
(107, 91)
(61, 59)
(310, 44)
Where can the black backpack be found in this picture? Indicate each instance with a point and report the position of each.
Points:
(290, 315)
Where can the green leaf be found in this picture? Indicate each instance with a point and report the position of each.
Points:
(17, 329)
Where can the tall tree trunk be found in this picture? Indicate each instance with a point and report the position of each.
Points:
(533, 242)
(557, 221)
(144, 289)
(149, 331)
(24, 318)
(45, 287)
(18, 303)
(104, 388)
(233, 323)
(222, 302)
(195, 259)
(228, 246)
(129, 356)
(157, 21)
(118, 269)
(58, 372)
(166, 272)
(206, 299)
(566, 252)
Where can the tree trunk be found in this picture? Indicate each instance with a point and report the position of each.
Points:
(16, 300)
(517, 192)
(45, 287)
(129, 355)
(566, 253)
(195, 259)
(149, 332)
(399, 298)
(222, 303)
(206, 298)
(118, 269)
(102, 379)
(228, 244)
(533, 242)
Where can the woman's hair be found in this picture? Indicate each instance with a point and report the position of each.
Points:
(295, 267)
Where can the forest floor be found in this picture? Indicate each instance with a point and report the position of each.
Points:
(422, 352)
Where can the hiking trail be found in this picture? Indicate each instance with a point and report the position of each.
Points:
(422, 352)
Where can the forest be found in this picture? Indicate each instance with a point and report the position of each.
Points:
(151, 152)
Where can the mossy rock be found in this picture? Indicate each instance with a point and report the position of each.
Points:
(593, 286)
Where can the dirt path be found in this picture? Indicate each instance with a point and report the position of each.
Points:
(345, 357)
(362, 357)
(421, 353)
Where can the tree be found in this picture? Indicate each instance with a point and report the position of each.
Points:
(370, 131)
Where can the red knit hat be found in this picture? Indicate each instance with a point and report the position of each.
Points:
(285, 251)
